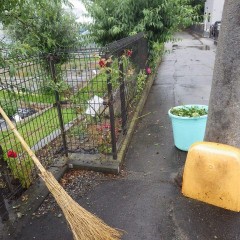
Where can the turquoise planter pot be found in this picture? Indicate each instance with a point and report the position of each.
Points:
(188, 130)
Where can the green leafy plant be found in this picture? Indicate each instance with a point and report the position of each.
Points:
(113, 20)
(185, 111)
(45, 26)
(9, 107)
(141, 82)
(155, 54)
(8, 103)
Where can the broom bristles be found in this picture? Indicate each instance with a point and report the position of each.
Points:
(84, 225)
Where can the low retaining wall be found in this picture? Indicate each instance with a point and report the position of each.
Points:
(197, 29)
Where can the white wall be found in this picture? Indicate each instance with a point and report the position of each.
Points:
(208, 6)
(208, 14)
(215, 9)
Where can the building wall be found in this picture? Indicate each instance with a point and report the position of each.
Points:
(217, 10)
(209, 6)
(213, 12)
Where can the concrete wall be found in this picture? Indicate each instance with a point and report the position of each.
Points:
(197, 29)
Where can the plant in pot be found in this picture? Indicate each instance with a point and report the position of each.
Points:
(189, 124)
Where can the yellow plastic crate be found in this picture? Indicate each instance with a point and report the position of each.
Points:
(212, 175)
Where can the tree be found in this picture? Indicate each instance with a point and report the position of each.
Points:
(47, 28)
(10, 8)
(22, 12)
(224, 106)
(43, 25)
(116, 19)
(199, 5)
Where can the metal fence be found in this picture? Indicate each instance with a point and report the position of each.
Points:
(77, 100)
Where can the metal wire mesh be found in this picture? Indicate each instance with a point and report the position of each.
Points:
(73, 100)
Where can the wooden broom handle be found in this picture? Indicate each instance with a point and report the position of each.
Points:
(22, 141)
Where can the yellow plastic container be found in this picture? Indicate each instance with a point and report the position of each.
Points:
(212, 175)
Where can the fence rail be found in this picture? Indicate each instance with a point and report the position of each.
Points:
(77, 100)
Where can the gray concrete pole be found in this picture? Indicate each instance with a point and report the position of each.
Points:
(223, 124)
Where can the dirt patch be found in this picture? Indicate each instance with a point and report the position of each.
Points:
(77, 183)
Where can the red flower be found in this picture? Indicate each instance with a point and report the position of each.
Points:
(11, 154)
(129, 53)
(148, 70)
(106, 126)
(103, 127)
(102, 63)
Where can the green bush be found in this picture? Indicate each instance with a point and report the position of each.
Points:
(155, 54)
(9, 107)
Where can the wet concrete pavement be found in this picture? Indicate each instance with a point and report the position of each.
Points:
(147, 203)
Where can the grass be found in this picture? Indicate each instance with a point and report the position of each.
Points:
(37, 98)
(37, 128)
(32, 131)
(27, 97)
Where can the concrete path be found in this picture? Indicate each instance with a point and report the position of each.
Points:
(147, 203)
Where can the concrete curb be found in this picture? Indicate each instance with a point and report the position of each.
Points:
(94, 163)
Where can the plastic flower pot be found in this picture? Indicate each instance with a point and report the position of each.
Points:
(188, 130)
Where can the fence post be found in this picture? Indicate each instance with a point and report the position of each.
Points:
(122, 96)
(3, 210)
(111, 110)
(58, 104)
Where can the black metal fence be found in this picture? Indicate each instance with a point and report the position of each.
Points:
(77, 100)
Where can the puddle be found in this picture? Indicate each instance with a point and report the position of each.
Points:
(200, 47)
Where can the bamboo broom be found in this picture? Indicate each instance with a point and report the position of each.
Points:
(84, 225)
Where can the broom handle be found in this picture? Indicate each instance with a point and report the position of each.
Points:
(22, 141)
